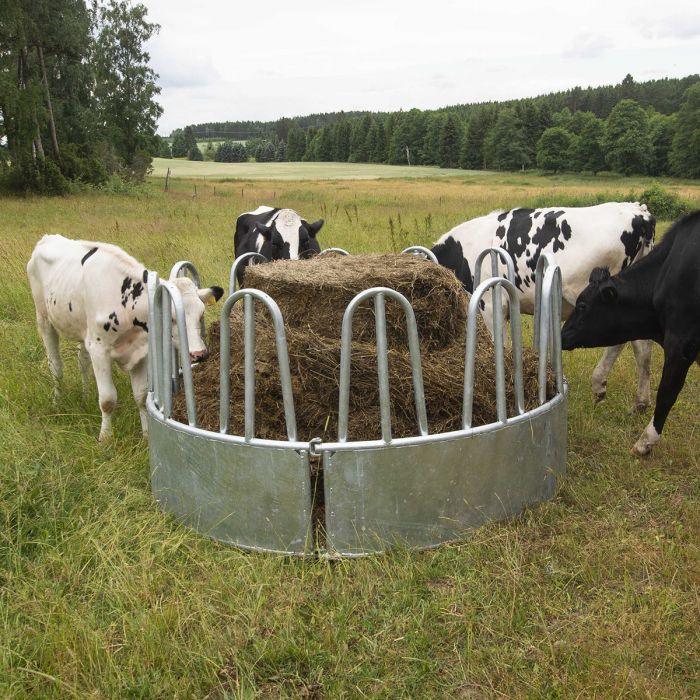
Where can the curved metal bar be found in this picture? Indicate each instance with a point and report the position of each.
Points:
(549, 340)
(495, 253)
(185, 268)
(340, 251)
(345, 361)
(516, 337)
(151, 285)
(170, 298)
(496, 308)
(421, 251)
(181, 268)
(250, 295)
(545, 261)
(238, 262)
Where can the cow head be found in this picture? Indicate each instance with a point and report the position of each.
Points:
(194, 301)
(288, 237)
(597, 319)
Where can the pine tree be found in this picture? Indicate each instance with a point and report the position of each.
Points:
(378, 155)
(433, 136)
(505, 147)
(450, 142)
(341, 147)
(480, 122)
(324, 151)
(296, 144)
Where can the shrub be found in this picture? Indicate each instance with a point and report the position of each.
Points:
(662, 203)
(194, 154)
(80, 163)
(230, 152)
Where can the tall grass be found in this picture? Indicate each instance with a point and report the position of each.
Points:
(592, 594)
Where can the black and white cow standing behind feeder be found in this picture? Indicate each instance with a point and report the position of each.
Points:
(95, 294)
(658, 298)
(278, 234)
(612, 235)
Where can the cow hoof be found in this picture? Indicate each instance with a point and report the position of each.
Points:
(599, 396)
(639, 408)
(641, 448)
(105, 438)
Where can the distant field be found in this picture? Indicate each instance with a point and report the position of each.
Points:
(293, 171)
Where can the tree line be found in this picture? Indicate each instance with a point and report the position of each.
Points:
(77, 96)
(633, 128)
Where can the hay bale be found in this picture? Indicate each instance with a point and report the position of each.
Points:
(313, 296)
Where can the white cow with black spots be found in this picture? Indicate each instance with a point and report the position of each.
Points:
(95, 294)
(612, 235)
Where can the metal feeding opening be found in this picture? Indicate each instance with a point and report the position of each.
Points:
(258, 494)
(249, 296)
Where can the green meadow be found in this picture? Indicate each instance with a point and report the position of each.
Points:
(593, 594)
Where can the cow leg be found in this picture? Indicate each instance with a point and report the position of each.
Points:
(106, 391)
(84, 364)
(675, 370)
(139, 387)
(599, 380)
(642, 354)
(49, 336)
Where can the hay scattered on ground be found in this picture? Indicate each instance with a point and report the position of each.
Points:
(312, 296)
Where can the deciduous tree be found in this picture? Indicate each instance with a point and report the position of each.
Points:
(684, 158)
(627, 142)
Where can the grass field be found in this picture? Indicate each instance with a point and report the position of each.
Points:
(594, 594)
(181, 168)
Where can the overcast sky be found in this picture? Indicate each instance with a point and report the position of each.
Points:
(222, 60)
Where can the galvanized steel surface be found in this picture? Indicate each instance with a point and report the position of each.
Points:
(419, 491)
(249, 496)
(427, 494)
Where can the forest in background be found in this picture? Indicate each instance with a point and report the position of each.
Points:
(77, 95)
(648, 128)
(78, 107)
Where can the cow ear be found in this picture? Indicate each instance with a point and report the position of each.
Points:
(210, 295)
(314, 228)
(266, 231)
(609, 292)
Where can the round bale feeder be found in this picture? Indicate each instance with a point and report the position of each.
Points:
(418, 490)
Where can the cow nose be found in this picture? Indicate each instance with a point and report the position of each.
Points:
(199, 356)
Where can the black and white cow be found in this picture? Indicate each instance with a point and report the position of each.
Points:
(658, 298)
(278, 234)
(611, 235)
(95, 294)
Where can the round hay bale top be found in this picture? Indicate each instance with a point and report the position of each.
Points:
(315, 293)
(312, 296)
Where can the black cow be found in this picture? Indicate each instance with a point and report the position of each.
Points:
(656, 298)
(278, 234)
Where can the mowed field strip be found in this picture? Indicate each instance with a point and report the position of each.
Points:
(593, 594)
(181, 168)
